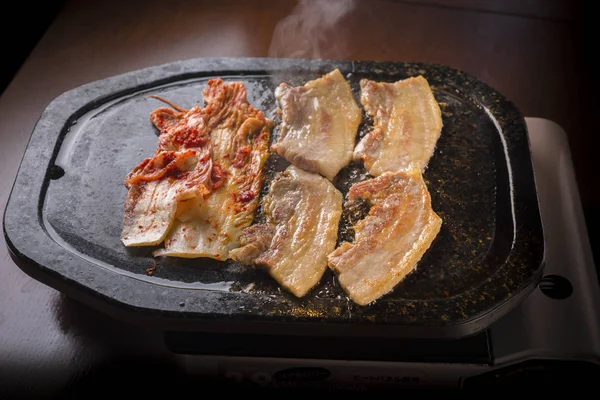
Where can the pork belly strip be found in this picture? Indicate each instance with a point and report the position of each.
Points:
(407, 125)
(319, 124)
(210, 225)
(390, 241)
(303, 211)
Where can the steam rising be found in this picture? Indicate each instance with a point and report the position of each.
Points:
(310, 31)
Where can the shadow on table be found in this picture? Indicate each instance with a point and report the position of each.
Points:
(121, 358)
(91, 327)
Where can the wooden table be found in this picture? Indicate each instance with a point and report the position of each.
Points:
(531, 51)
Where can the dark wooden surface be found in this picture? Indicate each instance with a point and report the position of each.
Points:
(533, 51)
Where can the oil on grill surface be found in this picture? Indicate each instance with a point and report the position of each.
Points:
(85, 207)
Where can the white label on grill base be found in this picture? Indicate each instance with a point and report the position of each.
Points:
(328, 374)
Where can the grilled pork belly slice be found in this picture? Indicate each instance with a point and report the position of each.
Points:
(319, 124)
(407, 125)
(389, 242)
(303, 211)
